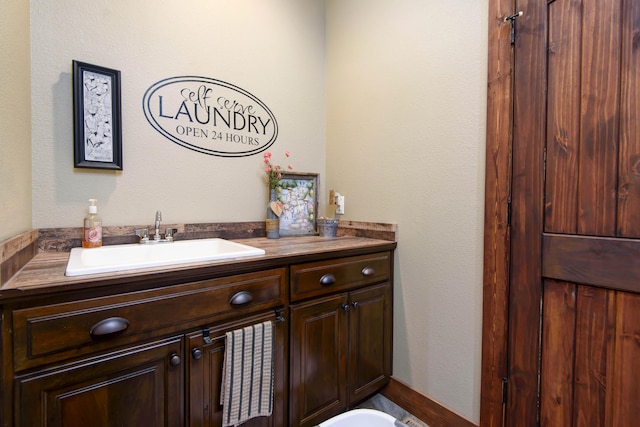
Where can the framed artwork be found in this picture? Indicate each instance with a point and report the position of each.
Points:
(298, 193)
(97, 117)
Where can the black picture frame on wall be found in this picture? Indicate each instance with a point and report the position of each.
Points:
(97, 117)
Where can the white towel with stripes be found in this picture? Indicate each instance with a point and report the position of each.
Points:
(247, 374)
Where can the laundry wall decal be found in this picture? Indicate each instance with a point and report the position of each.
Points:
(210, 116)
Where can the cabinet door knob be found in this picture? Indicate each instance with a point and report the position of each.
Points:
(345, 307)
(328, 279)
(174, 359)
(368, 271)
(196, 353)
(354, 304)
(241, 298)
(109, 326)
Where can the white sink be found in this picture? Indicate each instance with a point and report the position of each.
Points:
(127, 257)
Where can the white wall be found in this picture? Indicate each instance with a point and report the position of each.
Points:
(274, 50)
(405, 143)
(15, 121)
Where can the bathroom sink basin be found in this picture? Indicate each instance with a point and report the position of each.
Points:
(127, 257)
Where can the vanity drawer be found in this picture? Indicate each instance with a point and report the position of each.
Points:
(325, 277)
(51, 333)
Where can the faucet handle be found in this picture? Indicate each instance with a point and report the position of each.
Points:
(170, 233)
(143, 234)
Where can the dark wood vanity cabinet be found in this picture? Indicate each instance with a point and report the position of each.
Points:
(141, 354)
(128, 359)
(341, 335)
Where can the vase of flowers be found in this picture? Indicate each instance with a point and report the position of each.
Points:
(274, 207)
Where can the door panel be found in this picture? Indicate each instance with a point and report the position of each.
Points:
(593, 339)
(134, 386)
(559, 326)
(563, 127)
(574, 294)
(595, 381)
(319, 345)
(629, 166)
(527, 204)
(370, 341)
(599, 101)
(626, 391)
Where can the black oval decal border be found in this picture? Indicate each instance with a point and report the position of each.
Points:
(238, 126)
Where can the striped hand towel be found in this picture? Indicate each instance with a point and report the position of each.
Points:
(247, 374)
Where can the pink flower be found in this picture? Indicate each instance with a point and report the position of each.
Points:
(274, 172)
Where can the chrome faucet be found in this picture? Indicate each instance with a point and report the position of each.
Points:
(143, 233)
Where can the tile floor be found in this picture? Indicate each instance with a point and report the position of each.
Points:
(383, 404)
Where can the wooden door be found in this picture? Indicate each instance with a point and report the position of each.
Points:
(574, 278)
(370, 341)
(204, 374)
(319, 344)
(137, 386)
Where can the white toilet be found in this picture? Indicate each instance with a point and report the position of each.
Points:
(361, 418)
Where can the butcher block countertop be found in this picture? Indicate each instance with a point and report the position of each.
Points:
(44, 273)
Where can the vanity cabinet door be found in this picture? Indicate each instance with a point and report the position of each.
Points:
(136, 386)
(318, 360)
(204, 374)
(370, 341)
(340, 352)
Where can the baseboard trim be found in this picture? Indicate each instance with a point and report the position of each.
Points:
(419, 405)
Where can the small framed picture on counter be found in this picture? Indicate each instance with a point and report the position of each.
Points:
(298, 193)
(97, 117)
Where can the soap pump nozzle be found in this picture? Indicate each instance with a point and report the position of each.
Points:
(93, 206)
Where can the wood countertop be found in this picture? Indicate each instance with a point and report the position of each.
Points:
(44, 273)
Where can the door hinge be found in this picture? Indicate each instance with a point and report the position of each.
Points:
(511, 19)
(505, 383)
(509, 211)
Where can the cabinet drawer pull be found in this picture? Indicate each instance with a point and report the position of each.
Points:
(328, 280)
(241, 298)
(345, 307)
(196, 353)
(368, 271)
(109, 326)
(175, 360)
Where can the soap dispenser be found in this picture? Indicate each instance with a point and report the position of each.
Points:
(92, 236)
